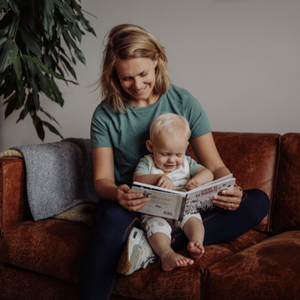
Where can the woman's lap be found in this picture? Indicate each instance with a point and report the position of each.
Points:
(224, 225)
(113, 225)
(97, 275)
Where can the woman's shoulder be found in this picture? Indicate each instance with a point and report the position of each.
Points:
(183, 97)
(179, 91)
(103, 109)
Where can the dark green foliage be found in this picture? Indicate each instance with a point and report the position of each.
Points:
(31, 55)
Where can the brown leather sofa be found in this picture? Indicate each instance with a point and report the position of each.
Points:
(40, 260)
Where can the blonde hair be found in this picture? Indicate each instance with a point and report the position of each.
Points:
(169, 123)
(124, 42)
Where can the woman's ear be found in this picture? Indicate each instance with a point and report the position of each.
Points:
(149, 146)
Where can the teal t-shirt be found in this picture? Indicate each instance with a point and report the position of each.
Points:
(128, 132)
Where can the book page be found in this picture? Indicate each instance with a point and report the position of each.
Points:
(162, 204)
(201, 198)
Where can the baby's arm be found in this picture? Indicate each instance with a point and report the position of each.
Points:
(154, 179)
(201, 177)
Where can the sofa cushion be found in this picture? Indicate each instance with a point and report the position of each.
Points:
(181, 283)
(258, 272)
(20, 284)
(50, 247)
(251, 157)
(286, 205)
(13, 201)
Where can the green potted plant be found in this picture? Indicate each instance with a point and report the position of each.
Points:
(32, 54)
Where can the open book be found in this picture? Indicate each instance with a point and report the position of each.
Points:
(174, 204)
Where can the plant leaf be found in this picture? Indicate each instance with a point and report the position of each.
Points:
(48, 21)
(14, 54)
(52, 129)
(38, 124)
(4, 31)
(20, 91)
(23, 113)
(14, 6)
(78, 52)
(31, 43)
(59, 27)
(86, 25)
(48, 115)
(3, 39)
(11, 104)
(69, 67)
(2, 76)
(18, 68)
(56, 92)
(77, 32)
(13, 26)
(42, 67)
(4, 5)
(6, 54)
(65, 11)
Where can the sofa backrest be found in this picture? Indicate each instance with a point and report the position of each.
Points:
(13, 200)
(252, 158)
(285, 209)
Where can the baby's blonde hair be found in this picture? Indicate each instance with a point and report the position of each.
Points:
(169, 123)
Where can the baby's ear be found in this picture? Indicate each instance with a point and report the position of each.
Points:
(149, 146)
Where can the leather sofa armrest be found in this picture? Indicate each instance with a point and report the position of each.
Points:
(13, 200)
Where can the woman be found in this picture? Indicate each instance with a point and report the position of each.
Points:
(136, 88)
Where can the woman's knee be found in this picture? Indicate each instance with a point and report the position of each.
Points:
(112, 213)
(258, 200)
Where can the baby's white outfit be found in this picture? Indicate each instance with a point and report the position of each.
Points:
(179, 177)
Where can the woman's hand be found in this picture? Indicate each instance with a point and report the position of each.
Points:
(129, 200)
(229, 199)
(165, 182)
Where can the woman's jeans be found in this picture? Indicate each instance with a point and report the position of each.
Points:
(97, 274)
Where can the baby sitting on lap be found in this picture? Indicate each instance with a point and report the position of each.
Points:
(169, 167)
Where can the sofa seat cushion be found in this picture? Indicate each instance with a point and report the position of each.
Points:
(50, 247)
(181, 283)
(20, 284)
(268, 270)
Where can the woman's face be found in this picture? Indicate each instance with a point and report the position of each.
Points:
(137, 78)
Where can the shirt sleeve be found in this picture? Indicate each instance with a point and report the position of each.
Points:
(196, 116)
(100, 136)
(194, 167)
(143, 166)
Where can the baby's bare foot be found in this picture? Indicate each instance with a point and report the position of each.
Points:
(196, 249)
(173, 260)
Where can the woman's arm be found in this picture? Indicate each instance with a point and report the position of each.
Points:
(104, 181)
(207, 154)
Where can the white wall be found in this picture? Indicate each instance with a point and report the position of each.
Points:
(239, 58)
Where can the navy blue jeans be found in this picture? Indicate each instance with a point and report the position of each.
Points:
(97, 274)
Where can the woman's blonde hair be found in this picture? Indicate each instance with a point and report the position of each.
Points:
(124, 42)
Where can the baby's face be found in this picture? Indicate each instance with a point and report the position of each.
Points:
(169, 151)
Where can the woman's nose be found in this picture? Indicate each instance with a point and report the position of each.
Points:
(138, 84)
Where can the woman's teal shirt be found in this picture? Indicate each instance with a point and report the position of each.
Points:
(128, 132)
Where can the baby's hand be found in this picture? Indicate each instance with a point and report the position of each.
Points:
(192, 184)
(165, 182)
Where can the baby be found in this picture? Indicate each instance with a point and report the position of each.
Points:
(169, 167)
